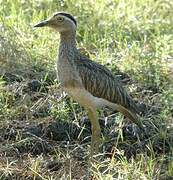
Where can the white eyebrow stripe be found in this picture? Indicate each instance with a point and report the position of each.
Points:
(67, 18)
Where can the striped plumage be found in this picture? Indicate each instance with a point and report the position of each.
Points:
(87, 82)
(100, 82)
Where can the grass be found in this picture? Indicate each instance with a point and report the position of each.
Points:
(45, 135)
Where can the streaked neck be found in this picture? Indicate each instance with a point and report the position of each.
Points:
(68, 43)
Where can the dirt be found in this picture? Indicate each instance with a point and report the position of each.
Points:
(61, 146)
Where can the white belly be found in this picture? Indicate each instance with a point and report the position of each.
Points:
(86, 99)
(82, 96)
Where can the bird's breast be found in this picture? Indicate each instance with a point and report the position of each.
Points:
(67, 74)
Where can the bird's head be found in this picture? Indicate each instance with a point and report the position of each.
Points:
(60, 21)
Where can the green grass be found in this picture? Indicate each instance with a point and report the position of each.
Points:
(130, 36)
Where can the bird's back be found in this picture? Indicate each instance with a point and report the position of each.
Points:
(100, 82)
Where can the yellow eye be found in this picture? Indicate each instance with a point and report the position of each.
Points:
(60, 19)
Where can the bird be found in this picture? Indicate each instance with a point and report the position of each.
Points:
(89, 83)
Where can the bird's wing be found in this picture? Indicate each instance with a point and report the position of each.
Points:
(100, 82)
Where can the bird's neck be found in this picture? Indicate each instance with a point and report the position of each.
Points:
(68, 44)
(68, 54)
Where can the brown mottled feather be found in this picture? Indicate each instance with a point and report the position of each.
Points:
(100, 82)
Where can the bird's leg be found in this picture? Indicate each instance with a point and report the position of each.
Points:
(95, 127)
(133, 117)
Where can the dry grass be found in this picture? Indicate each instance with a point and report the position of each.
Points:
(43, 133)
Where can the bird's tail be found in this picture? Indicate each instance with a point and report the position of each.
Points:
(126, 101)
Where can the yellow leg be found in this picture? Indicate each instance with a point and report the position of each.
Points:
(95, 127)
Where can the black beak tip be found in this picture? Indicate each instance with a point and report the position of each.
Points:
(35, 26)
(40, 24)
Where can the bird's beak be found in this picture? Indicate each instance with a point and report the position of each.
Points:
(42, 23)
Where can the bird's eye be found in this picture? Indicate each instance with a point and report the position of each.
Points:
(60, 19)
